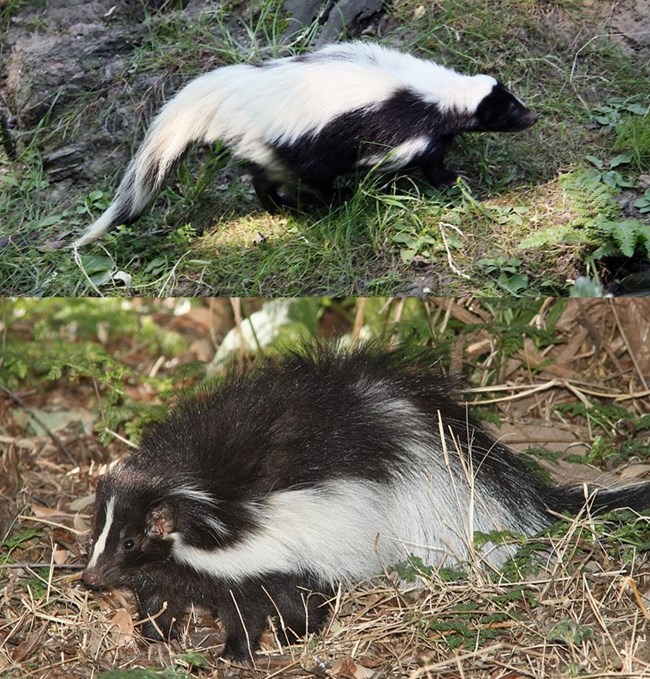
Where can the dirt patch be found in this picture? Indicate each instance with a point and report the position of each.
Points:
(630, 26)
(63, 64)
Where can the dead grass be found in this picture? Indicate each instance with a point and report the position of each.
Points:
(579, 609)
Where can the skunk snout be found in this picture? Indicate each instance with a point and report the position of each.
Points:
(92, 578)
(528, 119)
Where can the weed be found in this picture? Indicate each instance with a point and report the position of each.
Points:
(610, 176)
(506, 275)
(642, 204)
(633, 137)
(611, 114)
(14, 541)
(569, 632)
(606, 417)
(598, 223)
(73, 338)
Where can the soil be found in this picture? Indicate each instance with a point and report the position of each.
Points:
(630, 24)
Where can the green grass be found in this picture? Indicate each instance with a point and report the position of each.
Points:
(513, 228)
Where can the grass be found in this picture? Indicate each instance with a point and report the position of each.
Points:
(206, 234)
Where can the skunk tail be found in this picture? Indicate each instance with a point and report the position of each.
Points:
(185, 119)
(636, 498)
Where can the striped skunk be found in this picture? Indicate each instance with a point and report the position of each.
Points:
(319, 468)
(304, 121)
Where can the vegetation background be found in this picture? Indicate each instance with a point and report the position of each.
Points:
(566, 200)
(564, 381)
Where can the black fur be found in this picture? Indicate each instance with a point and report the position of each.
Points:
(164, 592)
(316, 415)
(501, 111)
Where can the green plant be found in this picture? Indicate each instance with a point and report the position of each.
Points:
(505, 273)
(620, 237)
(75, 338)
(633, 136)
(610, 114)
(569, 632)
(609, 418)
(642, 204)
(597, 221)
(599, 414)
(608, 174)
(14, 541)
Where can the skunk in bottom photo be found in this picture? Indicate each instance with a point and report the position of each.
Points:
(322, 467)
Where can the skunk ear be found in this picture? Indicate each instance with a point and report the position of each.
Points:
(161, 520)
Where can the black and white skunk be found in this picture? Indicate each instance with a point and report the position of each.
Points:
(304, 121)
(320, 468)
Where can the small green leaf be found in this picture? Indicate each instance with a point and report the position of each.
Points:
(637, 109)
(595, 161)
(49, 221)
(569, 632)
(621, 159)
(643, 202)
(94, 264)
(407, 254)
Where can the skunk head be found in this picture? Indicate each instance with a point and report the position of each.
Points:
(131, 529)
(501, 111)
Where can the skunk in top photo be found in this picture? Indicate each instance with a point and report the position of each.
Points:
(300, 122)
(301, 473)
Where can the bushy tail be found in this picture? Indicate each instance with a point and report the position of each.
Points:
(182, 121)
(636, 497)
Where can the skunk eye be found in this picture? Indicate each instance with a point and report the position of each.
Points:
(128, 544)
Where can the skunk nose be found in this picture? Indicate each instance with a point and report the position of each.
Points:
(530, 119)
(92, 579)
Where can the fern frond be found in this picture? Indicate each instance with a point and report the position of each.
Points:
(627, 234)
(590, 197)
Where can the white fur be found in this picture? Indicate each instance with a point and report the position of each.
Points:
(98, 228)
(332, 527)
(394, 159)
(248, 108)
(350, 529)
(194, 494)
(100, 543)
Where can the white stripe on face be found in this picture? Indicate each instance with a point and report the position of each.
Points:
(100, 543)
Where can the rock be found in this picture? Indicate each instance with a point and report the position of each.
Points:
(64, 162)
(339, 19)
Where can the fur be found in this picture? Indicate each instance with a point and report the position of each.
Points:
(304, 121)
(320, 468)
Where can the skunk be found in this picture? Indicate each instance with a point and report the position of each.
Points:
(306, 471)
(303, 121)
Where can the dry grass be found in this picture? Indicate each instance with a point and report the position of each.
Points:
(579, 609)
